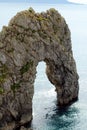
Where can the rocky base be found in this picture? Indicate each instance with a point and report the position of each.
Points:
(29, 39)
(61, 105)
(23, 128)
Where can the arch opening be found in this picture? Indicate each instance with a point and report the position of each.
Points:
(44, 98)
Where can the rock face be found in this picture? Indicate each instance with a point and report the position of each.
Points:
(28, 39)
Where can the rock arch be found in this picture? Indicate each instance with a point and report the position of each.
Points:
(28, 39)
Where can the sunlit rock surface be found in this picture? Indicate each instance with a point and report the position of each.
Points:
(28, 39)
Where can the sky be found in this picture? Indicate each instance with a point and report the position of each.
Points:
(79, 1)
(12, 0)
(47, 1)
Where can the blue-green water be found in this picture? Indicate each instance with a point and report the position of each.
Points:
(46, 114)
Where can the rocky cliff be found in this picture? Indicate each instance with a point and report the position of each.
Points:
(28, 39)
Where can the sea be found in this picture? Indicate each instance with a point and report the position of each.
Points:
(46, 113)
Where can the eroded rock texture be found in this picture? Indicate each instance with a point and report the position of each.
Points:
(28, 39)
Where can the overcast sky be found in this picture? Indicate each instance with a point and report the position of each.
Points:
(47, 1)
(12, 0)
(79, 1)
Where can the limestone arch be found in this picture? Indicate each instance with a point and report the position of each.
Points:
(30, 38)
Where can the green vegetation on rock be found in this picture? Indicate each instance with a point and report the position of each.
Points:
(31, 10)
(15, 86)
(1, 90)
(26, 67)
(2, 78)
(33, 31)
(3, 73)
(41, 18)
(10, 50)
